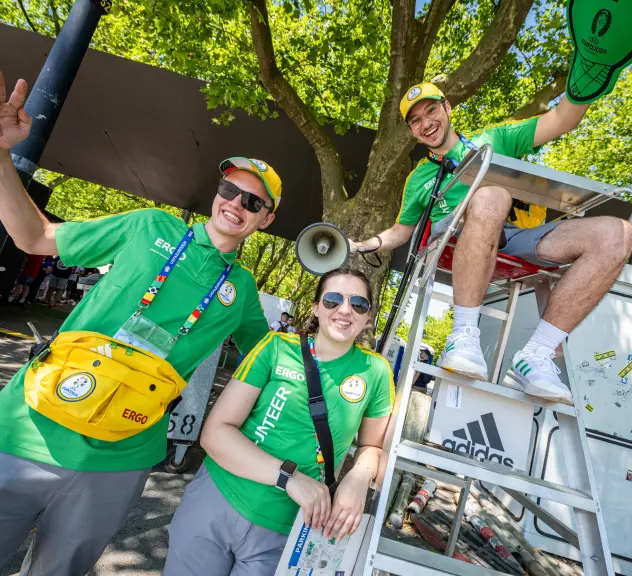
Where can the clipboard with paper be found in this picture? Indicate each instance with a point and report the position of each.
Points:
(307, 551)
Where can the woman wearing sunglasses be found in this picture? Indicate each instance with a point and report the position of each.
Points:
(264, 461)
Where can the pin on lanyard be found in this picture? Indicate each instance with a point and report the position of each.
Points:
(312, 350)
(164, 273)
(437, 159)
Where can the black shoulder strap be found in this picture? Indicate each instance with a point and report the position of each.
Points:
(318, 411)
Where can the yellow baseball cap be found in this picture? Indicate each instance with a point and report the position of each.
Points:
(270, 178)
(418, 92)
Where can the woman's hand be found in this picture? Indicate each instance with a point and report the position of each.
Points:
(349, 500)
(312, 496)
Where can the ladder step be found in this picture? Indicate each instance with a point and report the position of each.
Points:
(406, 560)
(497, 389)
(494, 473)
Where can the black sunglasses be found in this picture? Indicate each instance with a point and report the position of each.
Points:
(359, 304)
(251, 202)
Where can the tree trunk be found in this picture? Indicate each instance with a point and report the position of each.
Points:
(368, 213)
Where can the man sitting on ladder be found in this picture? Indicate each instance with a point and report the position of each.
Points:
(596, 247)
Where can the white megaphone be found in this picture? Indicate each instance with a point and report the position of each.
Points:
(322, 247)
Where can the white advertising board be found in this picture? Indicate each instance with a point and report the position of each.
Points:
(273, 306)
(486, 426)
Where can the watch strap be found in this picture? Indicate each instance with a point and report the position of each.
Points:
(285, 473)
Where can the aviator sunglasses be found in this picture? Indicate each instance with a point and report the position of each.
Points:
(359, 304)
(251, 202)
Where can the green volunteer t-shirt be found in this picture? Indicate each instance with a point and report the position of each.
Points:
(355, 386)
(137, 244)
(510, 139)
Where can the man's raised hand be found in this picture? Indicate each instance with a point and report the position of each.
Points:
(15, 123)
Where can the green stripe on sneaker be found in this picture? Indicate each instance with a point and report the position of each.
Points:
(519, 362)
(526, 371)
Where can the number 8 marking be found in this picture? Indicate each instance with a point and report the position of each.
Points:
(188, 423)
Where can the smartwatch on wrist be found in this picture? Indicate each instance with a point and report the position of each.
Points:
(285, 473)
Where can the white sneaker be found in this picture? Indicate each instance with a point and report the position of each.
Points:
(463, 354)
(535, 374)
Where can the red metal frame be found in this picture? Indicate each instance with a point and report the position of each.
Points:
(507, 267)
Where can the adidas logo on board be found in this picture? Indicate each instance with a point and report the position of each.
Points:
(485, 436)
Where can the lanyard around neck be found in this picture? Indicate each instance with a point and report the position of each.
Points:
(164, 273)
(437, 159)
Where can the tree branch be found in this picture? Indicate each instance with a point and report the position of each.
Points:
(426, 31)
(259, 257)
(459, 85)
(402, 27)
(53, 9)
(539, 102)
(281, 90)
(308, 287)
(297, 284)
(59, 181)
(28, 19)
(274, 262)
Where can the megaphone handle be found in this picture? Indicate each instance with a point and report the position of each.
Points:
(377, 257)
(371, 250)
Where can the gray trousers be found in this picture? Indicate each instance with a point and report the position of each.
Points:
(76, 514)
(208, 537)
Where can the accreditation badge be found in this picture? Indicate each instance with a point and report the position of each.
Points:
(143, 333)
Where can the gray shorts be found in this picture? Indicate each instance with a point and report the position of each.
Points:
(520, 242)
(57, 283)
(76, 513)
(208, 537)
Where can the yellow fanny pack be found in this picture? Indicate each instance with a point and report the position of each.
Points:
(99, 387)
(526, 215)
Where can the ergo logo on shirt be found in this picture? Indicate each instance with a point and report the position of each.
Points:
(291, 374)
(168, 248)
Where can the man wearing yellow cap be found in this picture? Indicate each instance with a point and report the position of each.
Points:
(597, 248)
(76, 488)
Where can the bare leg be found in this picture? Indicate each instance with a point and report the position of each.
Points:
(598, 248)
(55, 296)
(25, 292)
(476, 248)
(473, 265)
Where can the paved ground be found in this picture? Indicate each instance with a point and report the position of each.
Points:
(14, 348)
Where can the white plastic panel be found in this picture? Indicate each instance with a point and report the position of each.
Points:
(608, 327)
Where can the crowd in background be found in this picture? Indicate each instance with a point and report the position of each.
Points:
(47, 280)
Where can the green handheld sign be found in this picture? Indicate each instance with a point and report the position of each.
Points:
(600, 31)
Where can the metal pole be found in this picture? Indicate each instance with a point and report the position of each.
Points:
(45, 103)
(54, 81)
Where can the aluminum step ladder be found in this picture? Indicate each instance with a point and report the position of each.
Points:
(382, 554)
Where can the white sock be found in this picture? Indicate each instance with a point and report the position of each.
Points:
(10, 299)
(545, 335)
(465, 316)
